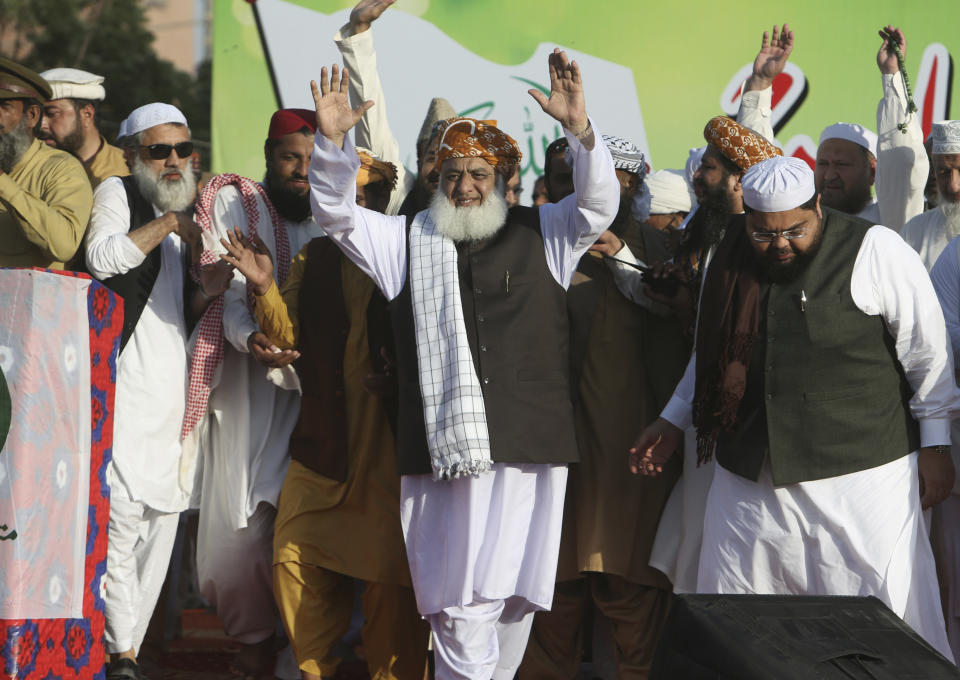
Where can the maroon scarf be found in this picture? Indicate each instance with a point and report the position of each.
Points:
(728, 329)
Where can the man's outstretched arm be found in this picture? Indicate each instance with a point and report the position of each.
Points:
(376, 243)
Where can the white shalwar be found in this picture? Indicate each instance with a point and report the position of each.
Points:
(927, 233)
(245, 455)
(478, 596)
(748, 526)
(945, 527)
(145, 477)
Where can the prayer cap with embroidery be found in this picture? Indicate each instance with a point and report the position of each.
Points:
(287, 121)
(741, 145)
(778, 184)
(72, 83)
(372, 169)
(851, 132)
(669, 192)
(439, 110)
(19, 82)
(946, 137)
(151, 115)
(470, 138)
(626, 155)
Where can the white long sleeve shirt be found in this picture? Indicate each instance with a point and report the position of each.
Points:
(902, 164)
(373, 131)
(254, 416)
(377, 243)
(151, 387)
(890, 280)
(927, 234)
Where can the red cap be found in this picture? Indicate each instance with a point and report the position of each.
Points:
(286, 121)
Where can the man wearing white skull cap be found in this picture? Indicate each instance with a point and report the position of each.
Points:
(70, 123)
(821, 372)
(140, 243)
(851, 159)
(930, 232)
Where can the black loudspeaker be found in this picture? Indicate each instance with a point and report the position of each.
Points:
(783, 637)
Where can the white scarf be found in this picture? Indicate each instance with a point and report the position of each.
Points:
(453, 411)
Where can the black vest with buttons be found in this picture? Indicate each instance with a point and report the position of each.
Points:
(825, 393)
(516, 319)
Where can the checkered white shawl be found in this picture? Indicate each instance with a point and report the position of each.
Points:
(453, 410)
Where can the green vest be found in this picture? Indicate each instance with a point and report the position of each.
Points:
(826, 395)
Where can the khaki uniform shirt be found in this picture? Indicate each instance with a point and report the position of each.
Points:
(107, 162)
(45, 204)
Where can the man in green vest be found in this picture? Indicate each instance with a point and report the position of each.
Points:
(822, 380)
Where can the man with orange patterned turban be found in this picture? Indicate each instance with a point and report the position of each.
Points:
(485, 427)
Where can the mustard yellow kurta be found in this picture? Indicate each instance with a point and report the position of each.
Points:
(45, 205)
(107, 162)
(350, 527)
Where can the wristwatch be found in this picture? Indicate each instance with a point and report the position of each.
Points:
(942, 449)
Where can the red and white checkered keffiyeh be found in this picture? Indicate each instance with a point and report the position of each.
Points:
(208, 350)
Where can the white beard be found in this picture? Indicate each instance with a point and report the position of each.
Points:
(951, 211)
(168, 195)
(472, 223)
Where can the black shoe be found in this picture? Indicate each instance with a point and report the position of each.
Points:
(123, 669)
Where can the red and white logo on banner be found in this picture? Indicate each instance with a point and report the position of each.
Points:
(932, 95)
(789, 91)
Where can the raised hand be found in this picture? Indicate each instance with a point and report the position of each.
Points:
(335, 118)
(252, 260)
(365, 13)
(566, 104)
(774, 52)
(887, 56)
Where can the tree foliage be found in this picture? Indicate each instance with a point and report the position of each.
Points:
(110, 38)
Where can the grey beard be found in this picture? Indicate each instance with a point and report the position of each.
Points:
(474, 223)
(13, 145)
(951, 211)
(167, 195)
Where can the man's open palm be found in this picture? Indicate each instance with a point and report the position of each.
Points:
(335, 118)
(566, 103)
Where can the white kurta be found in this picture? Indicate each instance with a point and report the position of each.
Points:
(532, 506)
(945, 535)
(888, 279)
(245, 455)
(373, 131)
(927, 234)
(152, 369)
(253, 417)
(151, 389)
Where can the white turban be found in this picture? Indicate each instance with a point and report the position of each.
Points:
(946, 137)
(72, 83)
(851, 132)
(694, 158)
(151, 115)
(778, 184)
(670, 192)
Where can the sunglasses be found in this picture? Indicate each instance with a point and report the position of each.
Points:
(160, 151)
